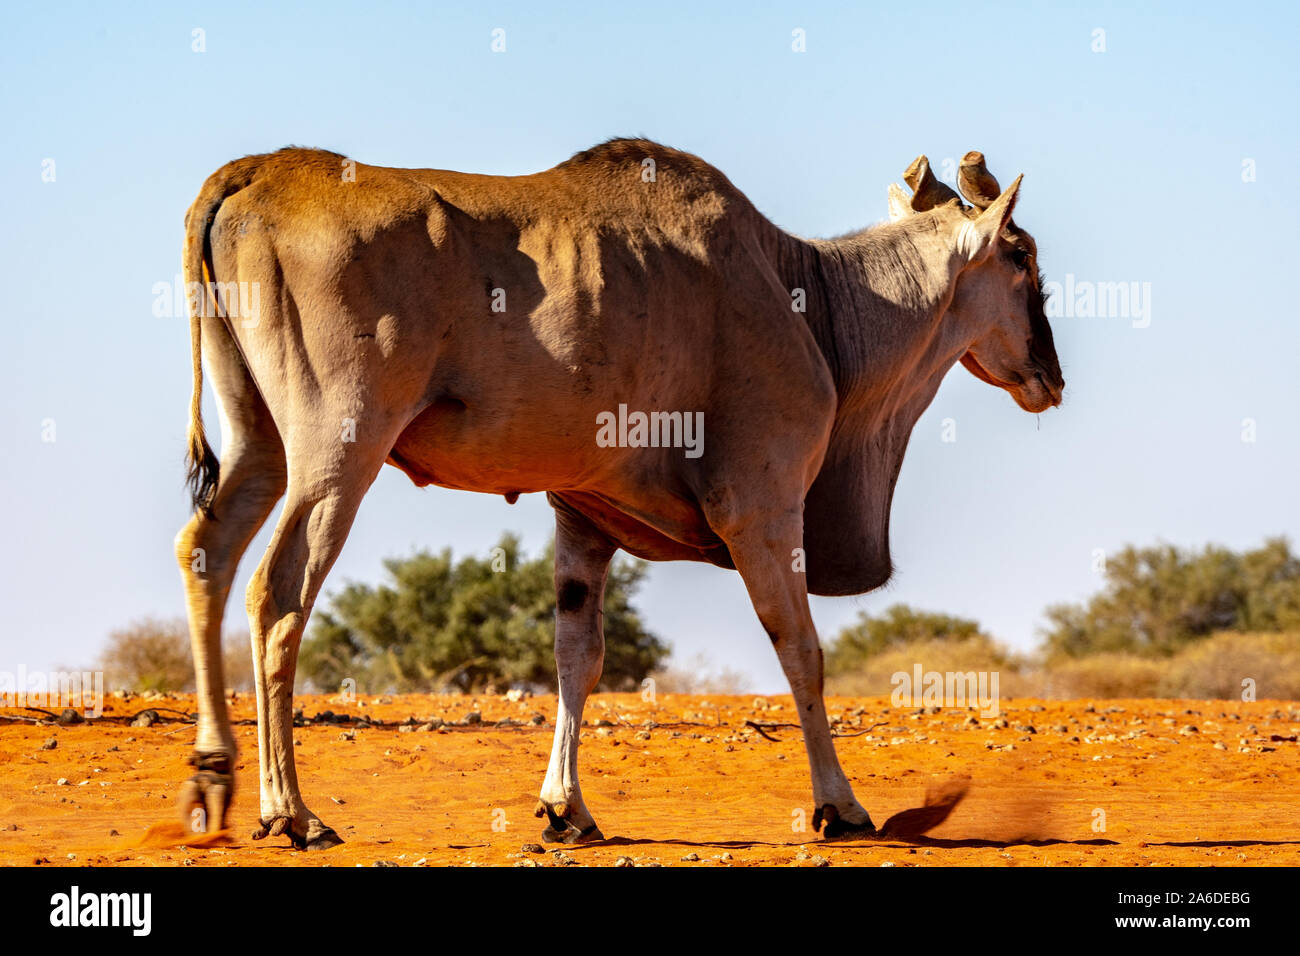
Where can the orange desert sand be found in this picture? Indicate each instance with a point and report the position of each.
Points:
(681, 781)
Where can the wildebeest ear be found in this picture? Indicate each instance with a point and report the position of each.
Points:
(976, 237)
(899, 206)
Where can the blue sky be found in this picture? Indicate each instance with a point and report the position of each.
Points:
(1133, 161)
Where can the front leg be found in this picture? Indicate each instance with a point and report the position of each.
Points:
(761, 549)
(582, 555)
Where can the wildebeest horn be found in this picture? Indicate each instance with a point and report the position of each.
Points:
(976, 182)
(927, 191)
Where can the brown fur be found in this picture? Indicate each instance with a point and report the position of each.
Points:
(669, 295)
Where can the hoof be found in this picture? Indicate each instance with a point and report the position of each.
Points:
(326, 839)
(560, 829)
(206, 796)
(571, 834)
(837, 828)
(317, 837)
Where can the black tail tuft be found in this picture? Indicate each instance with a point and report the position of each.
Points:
(202, 472)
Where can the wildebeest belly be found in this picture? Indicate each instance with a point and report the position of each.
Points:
(637, 537)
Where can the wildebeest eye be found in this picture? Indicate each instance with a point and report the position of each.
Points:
(1021, 258)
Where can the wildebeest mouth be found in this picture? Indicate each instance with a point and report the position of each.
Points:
(1055, 390)
(1036, 395)
(984, 375)
(1039, 380)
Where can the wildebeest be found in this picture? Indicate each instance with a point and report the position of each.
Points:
(473, 331)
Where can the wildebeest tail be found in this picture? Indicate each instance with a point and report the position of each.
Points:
(202, 467)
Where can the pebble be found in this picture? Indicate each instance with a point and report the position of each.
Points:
(50, 744)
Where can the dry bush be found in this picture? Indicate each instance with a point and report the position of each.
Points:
(153, 654)
(1216, 667)
(698, 676)
(237, 658)
(149, 654)
(1210, 669)
(1107, 675)
(874, 678)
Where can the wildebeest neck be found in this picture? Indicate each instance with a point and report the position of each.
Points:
(874, 306)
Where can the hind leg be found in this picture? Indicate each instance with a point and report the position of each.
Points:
(208, 550)
(327, 480)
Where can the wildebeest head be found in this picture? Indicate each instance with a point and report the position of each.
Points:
(997, 301)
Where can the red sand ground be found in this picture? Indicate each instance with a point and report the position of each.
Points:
(679, 777)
